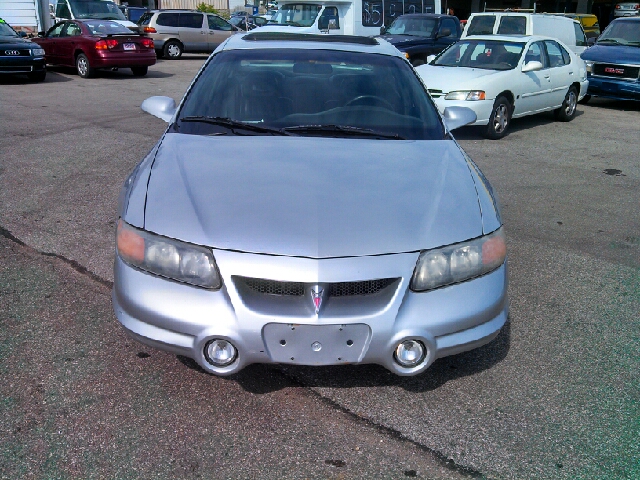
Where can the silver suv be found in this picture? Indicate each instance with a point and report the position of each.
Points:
(177, 31)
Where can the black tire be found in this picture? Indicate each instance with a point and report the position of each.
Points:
(139, 71)
(37, 76)
(500, 119)
(83, 67)
(585, 99)
(172, 50)
(568, 109)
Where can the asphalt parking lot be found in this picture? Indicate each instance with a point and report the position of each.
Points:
(556, 395)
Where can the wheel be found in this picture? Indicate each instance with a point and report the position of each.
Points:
(568, 109)
(585, 99)
(83, 67)
(499, 120)
(139, 71)
(172, 50)
(369, 100)
(37, 76)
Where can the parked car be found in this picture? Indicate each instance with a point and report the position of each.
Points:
(90, 45)
(133, 14)
(177, 31)
(248, 22)
(505, 77)
(589, 23)
(421, 35)
(567, 30)
(613, 63)
(626, 9)
(19, 55)
(307, 205)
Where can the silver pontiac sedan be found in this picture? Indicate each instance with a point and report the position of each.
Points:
(308, 205)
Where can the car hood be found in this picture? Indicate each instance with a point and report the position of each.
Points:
(14, 42)
(311, 197)
(612, 54)
(449, 79)
(405, 41)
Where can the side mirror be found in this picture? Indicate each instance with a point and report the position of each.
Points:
(532, 67)
(456, 117)
(161, 107)
(431, 58)
(22, 34)
(445, 32)
(591, 41)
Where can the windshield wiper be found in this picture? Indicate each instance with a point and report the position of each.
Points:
(610, 40)
(343, 130)
(233, 124)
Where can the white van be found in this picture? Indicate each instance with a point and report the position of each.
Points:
(567, 30)
(345, 17)
(100, 9)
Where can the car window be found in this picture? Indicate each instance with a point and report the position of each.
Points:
(217, 23)
(191, 20)
(328, 14)
(422, 27)
(536, 53)
(105, 27)
(72, 30)
(512, 25)
(56, 30)
(145, 19)
(554, 51)
(484, 54)
(62, 10)
(451, 25)
(168, 19)
(581, 38)
(288, 88)
(481, 25)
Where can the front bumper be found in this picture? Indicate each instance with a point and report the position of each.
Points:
(183, 319)
(22, 64)
(614, 88)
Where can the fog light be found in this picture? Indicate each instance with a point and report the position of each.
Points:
(409, 353)
(220, 353)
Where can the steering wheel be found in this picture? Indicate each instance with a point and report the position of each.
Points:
(371, 100)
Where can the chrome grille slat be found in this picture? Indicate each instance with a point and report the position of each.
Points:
(338, 289)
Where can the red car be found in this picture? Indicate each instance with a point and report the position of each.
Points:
(92, 44)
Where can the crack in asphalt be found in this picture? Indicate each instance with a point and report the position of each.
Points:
(448, 463)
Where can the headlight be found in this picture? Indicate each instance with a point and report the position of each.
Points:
(459, 262)
(466, 95)
(589, 66)
(37, 52)
(166, 257)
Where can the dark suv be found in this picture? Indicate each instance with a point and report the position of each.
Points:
(419, 35)
(18, 55)
(613, 63)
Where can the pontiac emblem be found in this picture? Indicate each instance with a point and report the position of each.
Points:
(317, 296)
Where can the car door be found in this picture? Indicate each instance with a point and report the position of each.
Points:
(67, 43)
(49, 43)
(193, 34)
(219, 31)
(562, 73)
(534, 88)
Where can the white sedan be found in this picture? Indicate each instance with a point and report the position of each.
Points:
(505, 77)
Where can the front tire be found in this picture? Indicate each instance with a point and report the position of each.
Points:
(139, 71)
(499, 120)
(83, 67)
(568, 109)
(172, 50)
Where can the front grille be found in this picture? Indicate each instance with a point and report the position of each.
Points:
(340, 289)
(435, 93)
(616, 71)
(9, 52)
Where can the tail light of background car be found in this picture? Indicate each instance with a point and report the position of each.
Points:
(149, 30)
(106, 44)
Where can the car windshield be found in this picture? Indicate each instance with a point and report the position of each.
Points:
(624, 32)
(484, 54)
(6, 30)
(420, 27)
(311, 93)
(106, 27)
(297, 15)
(96, 9)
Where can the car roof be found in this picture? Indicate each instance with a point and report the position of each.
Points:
(263, 38)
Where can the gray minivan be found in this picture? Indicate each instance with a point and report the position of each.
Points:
(177, 31)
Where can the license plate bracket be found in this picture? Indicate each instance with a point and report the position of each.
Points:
(129, 46)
